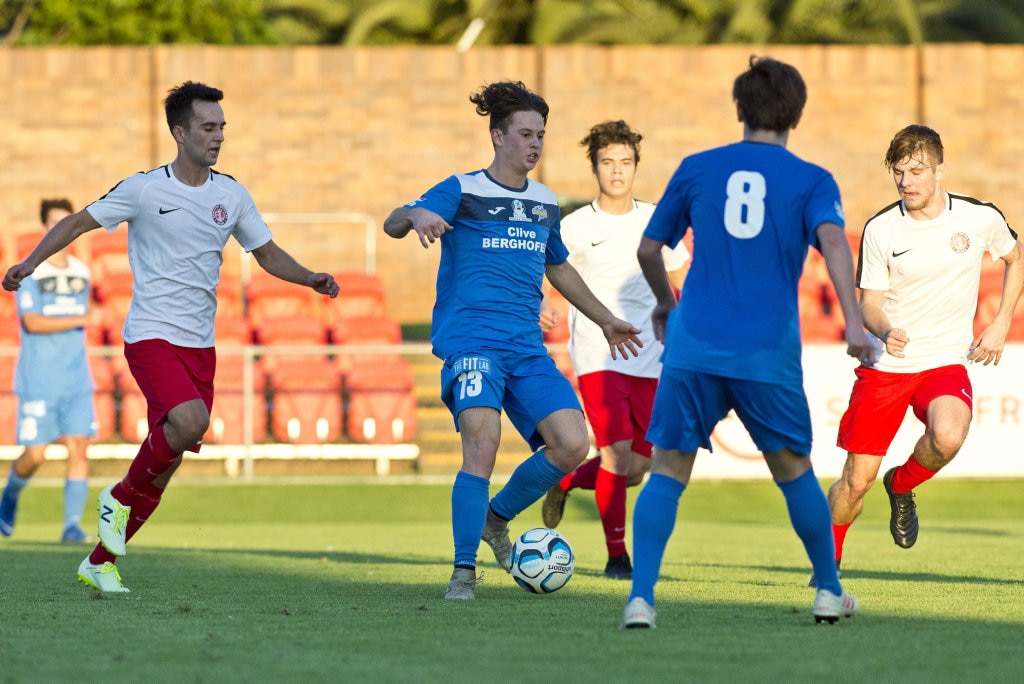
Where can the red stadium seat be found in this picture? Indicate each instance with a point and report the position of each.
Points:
(306, 403)
(103, 397)
(294, 331)
(271, 298)
(227, 419)
(9, 338)
(108, 253)
(133, 422)
(366, 330)
(360, 295)
(381, 404)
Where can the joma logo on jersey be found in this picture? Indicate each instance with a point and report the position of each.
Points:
(471, 363)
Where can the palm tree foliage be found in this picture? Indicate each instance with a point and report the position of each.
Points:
(525, 22)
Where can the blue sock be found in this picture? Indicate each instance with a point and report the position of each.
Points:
(15, 483)
(534, 476)
(9, 500)
(469, 513)
(812, 522)
(654, 518)
(75, 494)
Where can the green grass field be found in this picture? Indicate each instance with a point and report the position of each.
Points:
(343, 581)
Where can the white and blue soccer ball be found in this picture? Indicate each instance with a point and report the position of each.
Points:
(542, 560)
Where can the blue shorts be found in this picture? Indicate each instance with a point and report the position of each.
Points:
(688, 406)
(44, 420)
(528, 387)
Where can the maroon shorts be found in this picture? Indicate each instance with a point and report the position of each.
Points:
(879, 402)
(618, 407)
(169, 375)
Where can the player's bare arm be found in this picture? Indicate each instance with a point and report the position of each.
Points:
(652, 264)
(57, 238)
(429, 226)
(281, 264)
(835, 249)
(621, 335)
(988, 347)
(875, 320)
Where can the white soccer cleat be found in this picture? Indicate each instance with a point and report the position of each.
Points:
(496, 536)
(639, 615)
(104, 577)
(113, 523)
(829, 608)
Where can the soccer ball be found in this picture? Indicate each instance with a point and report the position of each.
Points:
(542, 560)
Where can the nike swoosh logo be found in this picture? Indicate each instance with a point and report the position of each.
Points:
(964, 392)
(168, 211)
(595, 244)
(495, 211)
(897, 254)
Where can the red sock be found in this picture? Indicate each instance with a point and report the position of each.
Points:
(839, 535)
(143, 508)
(910, 475)
(584, 477)
(610, 492)
(100, 555)
(155, 458)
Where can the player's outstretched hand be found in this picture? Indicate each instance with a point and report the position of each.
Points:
(15, 274)
(859, 346)
(622, 336)
(323, 283)
(988, 348)
(429, 226)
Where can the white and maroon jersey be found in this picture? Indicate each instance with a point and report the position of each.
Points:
(176, 238)
(930, 273)
(602, 247)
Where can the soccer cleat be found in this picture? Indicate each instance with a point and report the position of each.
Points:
(104, 577)
(496, 536)
(829, 608)
(463, 583)
(75, 535)
(554, 506)
(813, 581)
(639, 615)
(619, 567)
(113, 522)
(903, 514)
(8, 509)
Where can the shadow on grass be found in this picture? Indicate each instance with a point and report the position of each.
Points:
(859, 574)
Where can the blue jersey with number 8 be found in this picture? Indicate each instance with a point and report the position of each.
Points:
(754, 209)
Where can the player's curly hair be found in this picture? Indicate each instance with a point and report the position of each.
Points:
(502, 100)
(611, 133)
(770, 95)
(912, 142)
(178, 103)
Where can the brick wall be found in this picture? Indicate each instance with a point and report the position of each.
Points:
(362, 130)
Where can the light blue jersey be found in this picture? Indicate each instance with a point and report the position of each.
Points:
(754, 209)
(54, 364)
(489, 281)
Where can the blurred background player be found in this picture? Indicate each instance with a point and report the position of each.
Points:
(733, 341)
(180, 216)
(499, 234)
(602, 239)
(919, 275)
(52, 379)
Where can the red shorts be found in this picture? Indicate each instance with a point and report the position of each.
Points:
(879, 402)
(618, 407)
(169, 375)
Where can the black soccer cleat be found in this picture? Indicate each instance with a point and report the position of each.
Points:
(619, 567)
(903, 516)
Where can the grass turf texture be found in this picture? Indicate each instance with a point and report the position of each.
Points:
(293, 582)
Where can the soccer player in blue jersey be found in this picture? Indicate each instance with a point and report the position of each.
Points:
(733, 342)
(52, 379)
(499, 235)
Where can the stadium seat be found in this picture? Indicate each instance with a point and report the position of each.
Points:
(133, 422)
(25, 242)
(10, 339)
(380, 403)
(306, 403)
(103, 397)
(366, 330)
(293, 331)
(269, 298)
(558, 336)
(114, 294)
(227, 419)
(108, 253)
(360, 295)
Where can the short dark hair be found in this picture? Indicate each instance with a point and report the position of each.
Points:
(178, 103)
(502, 100)
(48, 205)
(770, 95)
(911, 142)
(611, 133)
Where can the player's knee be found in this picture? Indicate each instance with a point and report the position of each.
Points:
(946, 442)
